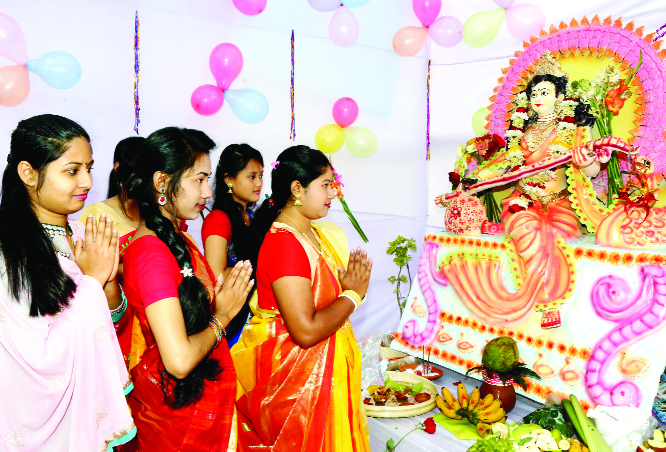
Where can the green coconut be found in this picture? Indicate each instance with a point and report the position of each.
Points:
(501, 354)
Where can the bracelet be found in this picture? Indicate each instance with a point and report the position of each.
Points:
(354, 297)
(218, 329)
(118, 313)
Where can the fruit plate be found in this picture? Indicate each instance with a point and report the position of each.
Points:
(406, 411)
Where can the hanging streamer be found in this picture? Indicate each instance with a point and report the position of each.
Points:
(137, 59)
(428, 116)
(292, 133)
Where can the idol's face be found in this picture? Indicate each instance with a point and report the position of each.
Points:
(543, 98)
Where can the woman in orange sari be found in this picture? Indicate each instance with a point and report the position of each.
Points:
(298, 362)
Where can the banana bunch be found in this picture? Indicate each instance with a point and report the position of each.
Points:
(472, 408)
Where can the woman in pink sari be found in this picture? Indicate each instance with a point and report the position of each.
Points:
(63, 379)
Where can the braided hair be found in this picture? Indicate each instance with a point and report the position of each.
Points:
(300, 163)
(174, 151)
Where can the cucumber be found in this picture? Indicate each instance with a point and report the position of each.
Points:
(574, 420)
(595, 442)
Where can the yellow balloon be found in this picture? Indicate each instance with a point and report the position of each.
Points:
(479, 121)
(482, 27)
(360, 141)
(329, 138)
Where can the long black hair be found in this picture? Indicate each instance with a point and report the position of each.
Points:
(233, 160)
(582, 112)
(174, 151)
(30, 259)
(300, 163)
(125, 155)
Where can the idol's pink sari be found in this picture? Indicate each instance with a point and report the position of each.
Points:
(63, 380)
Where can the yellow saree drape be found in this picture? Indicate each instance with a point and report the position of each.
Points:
(296, 399)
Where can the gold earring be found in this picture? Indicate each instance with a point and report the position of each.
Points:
(230, 190)
(558, 107)
(298, 201)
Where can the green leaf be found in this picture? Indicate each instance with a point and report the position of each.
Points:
(390, 445)
(524, 441)
(417, 388)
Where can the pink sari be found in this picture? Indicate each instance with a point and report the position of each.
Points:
(63, 379)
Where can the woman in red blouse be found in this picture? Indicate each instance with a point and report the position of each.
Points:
(184, 381)
(299, 388)
(238, 182)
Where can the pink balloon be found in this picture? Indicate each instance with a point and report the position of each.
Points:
(14, 85)
(525, 20)
(345, 111)
(226, 62)
(207, 99)
(446, 31)
(504, 3)
(250, 7)
(409, 40)
(427, 10)
(12, 40)
(343, 28)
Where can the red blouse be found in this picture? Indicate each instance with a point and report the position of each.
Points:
(281, 255)
(152, 273)
(216, 223)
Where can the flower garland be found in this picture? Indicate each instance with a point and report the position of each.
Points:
(535, 186)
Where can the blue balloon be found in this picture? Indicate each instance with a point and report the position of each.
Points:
(58, 69)
(248, 104)
(354, 3)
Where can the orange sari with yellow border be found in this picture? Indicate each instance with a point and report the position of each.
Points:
(294, 399)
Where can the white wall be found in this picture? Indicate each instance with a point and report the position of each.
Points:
(386, 190)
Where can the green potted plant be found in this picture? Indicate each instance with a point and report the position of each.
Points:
(400, 248)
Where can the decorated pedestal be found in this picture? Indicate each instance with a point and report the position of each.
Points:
(567, 191)
(608, 348)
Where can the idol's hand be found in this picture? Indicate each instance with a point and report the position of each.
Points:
(230, 294)
(582, 156)
(97, 255)
(357, 276)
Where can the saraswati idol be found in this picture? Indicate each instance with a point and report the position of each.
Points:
(548, 144)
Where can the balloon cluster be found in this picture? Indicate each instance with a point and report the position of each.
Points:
(522, 20)
(250, 7)
(343, 28)
(360, 141)
(57, 69)
(226, 63)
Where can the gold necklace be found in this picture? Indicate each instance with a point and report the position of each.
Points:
(323, 252)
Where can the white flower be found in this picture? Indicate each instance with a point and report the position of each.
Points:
(515, 158)
(518, 123)
(557, 149)
(522, 116)
(566, 125)
(470, 149)
(513, 134)
(187, 272)
(521, 201)
(461, 150)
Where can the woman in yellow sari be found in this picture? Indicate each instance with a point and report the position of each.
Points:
(299, 367)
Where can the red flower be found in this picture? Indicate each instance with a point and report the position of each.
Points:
(521, 110)
(571, 119)
(454, 178)
(430, 425)
(513, 208)
(613, 101)
(481, 147)
(500, 141)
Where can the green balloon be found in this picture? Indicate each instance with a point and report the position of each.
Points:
(482, 27)
(360, 141)
(479, 121)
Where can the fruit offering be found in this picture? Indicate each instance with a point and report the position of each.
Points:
(656, 444)
(584, 426)
(481, 413)
(526, 438)
(492, 444)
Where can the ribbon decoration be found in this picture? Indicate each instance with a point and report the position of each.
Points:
(292, 133)
(428, 116)
(137, 60)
